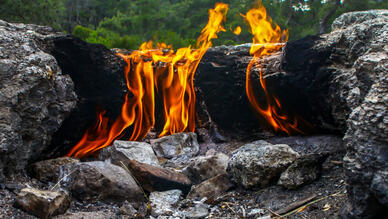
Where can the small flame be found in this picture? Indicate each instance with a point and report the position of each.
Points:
(237, 30)
(268, 38)
(170, 74)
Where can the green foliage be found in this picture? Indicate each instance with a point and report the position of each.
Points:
(128, 23)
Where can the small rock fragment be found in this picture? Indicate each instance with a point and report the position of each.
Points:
(211, 188)
(258, 163)
(177, 144)
(164, 203)
(200, 210)
(123, 151)
(153, 178)
(304, 170)
(48, 170)
(42, 204)
(204, 167)
(128, 209)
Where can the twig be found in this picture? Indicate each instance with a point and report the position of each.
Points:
(310, 203)
(272, 212)
(61, 180)
(296, 205)
(137, 182)
(230, 207)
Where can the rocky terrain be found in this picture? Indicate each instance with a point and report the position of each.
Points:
(231, 167)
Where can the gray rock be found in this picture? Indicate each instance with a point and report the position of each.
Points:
(258, 163)
(42, 204)
(48, 170)
(164, 203)
(205, 167)
(211, 188)
(359, 89)
(304, 170)
(35, 97)
(101, 181)
(128, 209)
(180, 144)
(123, 151)
(103, 214)
(200, 210)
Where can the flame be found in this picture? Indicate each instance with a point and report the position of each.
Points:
(237, 30)
(268, 38)
(158, 70)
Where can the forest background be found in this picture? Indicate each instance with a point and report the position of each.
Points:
(128, 23)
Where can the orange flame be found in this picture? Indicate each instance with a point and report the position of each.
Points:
(268, 38)
(158, 69)
(237, 30)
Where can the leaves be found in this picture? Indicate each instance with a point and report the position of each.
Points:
(128, 23)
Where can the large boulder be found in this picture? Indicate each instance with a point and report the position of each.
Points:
(360, 66)
(257, 164)
(35, 95)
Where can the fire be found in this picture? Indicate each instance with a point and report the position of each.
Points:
(268, 38)
(155, 71)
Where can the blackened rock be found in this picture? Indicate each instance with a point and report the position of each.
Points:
(42, 204)
(48, 170)
(305, 169)
(153, 178)
(99, 82)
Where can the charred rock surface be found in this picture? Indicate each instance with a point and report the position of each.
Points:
(35, 95)
(99, 82)
(337, 82)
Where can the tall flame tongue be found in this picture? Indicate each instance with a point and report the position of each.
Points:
(158, 69)
(268, 38)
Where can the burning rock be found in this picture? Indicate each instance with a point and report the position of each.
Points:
(121, 152)
(258, 163)
(102, 181)
(180, 144)
(42, 204)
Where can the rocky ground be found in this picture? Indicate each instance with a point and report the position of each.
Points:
(165, 193)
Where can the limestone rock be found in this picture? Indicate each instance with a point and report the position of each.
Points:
(180, 144)
(48, 170)
(164, 203)
(35, 95)
(42, 204)
(123, 151)
(304, 170)
(211, 188)
(258, 163)
(153, 178)
(102, 181)
(205, 167)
